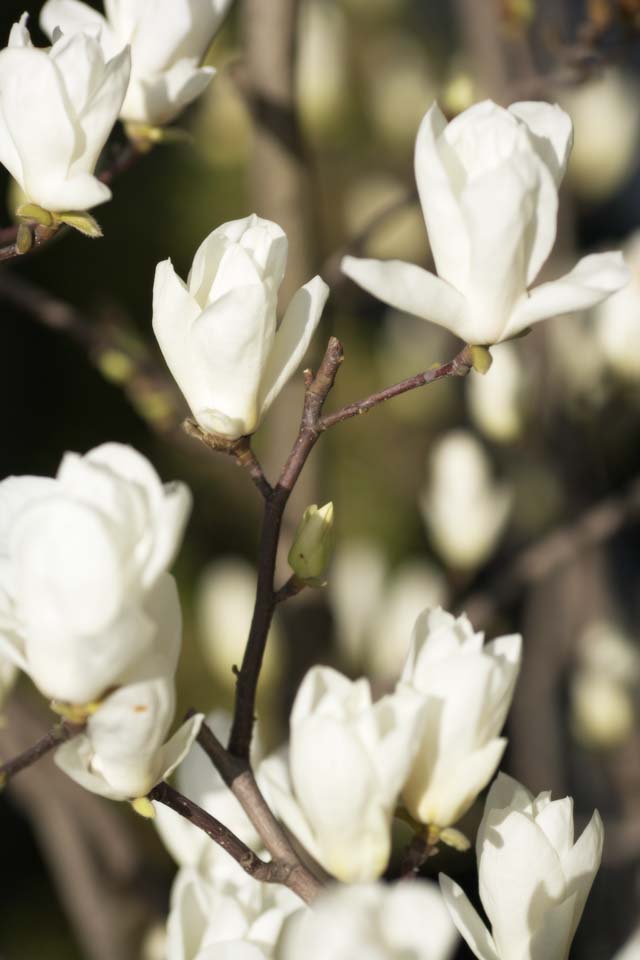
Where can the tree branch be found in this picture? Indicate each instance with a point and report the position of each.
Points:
(58, 734)
(239, 449)
(285, 873)
(316, 394)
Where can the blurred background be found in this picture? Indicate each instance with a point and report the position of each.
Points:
(514, 496)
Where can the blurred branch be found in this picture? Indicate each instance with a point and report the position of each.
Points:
(92, 852)
(58, 734)
(481, 33)
(553, 551)
(292, 875)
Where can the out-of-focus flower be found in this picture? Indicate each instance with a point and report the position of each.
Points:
(197, 779)
(378, 206)
(310, 552)
(241, 920)
(336, 785)
(495, 399)
(534, 879)
(604, 686)
(605, 117)
(78, 556)
(402, 87)
(218, 333)
(464, 510)
(122, 753)
(8, 676)
(617, 320)
(322, 72)
(168, 39)
(467, 690)
(488, 182)
(225, 596)
(371, 922)
(359, 571)
(57, 109)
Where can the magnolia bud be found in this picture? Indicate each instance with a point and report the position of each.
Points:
(312, 546)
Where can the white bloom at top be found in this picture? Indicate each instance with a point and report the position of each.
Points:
(122, 754)
(218, 332)
(617, 320)
(463, 508)
(78, 555)
(168, 39)
(488, 183)
(371, 922)
(57, 108)
(534, 879)
(241, 921)
(337, 784)
(467, 688)
(198, 779)
(495, 398)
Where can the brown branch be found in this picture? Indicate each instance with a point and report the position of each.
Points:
(553, 551)
(239, 449)
(276, 871)
(416, 855)
(458, 367)
(315, 395)
(58, 734)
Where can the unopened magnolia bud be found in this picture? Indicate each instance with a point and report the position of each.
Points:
(311, 550)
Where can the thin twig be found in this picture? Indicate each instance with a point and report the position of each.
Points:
(275, 871)
(416, 855)
(58, 734)
(239, 449)
(458, 367)
(315, 395)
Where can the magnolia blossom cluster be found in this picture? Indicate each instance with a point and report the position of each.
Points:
(140, 62)
(90, 613)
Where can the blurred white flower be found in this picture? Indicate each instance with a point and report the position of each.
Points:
(198, 779)
(8, 676)
(604, 110)
(225, 595)
(488, 182)
(467, 688)
(401, 86)
(218, 333)
(322, 73)
(240, 921)
(378, 205)
(337, 783)
(168, 39)
(371, 922)
(359, 571)
(465, 511)
(534, 879)
(122, 753)
(78, 556)
(495, 398)
(57, 109)
(617, 320)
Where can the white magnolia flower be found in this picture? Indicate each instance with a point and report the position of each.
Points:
(488, 183)
(198, 779)
(57, 108)
(495, 398)
(617, 320)
(78, 555)
(8, 676)
(122, 754)
(534, 879)
(241, 921)
(168, 39)
(337, 784)
(464, 509)
(218, 333)
(371, 922)
(467, 689)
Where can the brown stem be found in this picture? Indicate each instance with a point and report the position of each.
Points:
(417, 853)
(458, 367)
(315, 395)
(62, 732)
(239, 449)
(276, 871)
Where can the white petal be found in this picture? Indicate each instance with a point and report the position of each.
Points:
(408, 287)
(553, 937)
(70, 16)
(581, 864)
(292, 340)
(174, 311)
(556, 819)
(447, 233)
(102, 109)
(157, 99)
(551, 132)
(275, 783)
(467, 920)
(593, 279)
(74, 759)
(177, 747)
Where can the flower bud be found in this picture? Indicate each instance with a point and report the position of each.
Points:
(313, 544)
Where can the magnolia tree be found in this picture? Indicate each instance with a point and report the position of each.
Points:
(295, 853)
